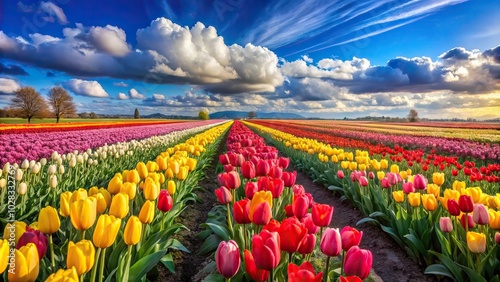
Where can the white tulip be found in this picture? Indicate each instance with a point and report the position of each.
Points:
(35, 168)
(59, 161)
(43, 161)
(52, 169)
(95, 162)
(19, 174)
(104, 155)
(55, 155)
(117, 156)
(6, 168)
(32, 163)
(22, 188)
(72, 162)
(53, 181)
(85, 157)
(79, 159)
(89, 151)
(25, 164)
(61, 169)
(90, 161)
(3, 183)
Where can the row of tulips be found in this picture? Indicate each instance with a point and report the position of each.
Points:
(39, 183)
(436, 221)
(269, 227)
(15, 147)
(116, 233)
(378, 143)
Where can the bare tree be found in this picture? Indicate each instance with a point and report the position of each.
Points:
(29, 102)
(61, 103)
(413, 115)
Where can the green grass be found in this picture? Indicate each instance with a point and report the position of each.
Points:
(69, 120)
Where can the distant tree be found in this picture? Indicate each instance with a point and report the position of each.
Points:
(84, 115)
(29, 102)
(252, 114)
(93, 115)
(136, 114)
(413, 115)
(203, 115)
(61, 102)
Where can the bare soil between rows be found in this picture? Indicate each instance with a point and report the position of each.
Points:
(390, 262)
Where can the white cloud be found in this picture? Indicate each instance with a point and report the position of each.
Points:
(90, 88)
(109, 39)
(307, 59)
(8, 86)
(120, 84)
(136, 95)
(159, 97)
(54, 11)
(122, 96)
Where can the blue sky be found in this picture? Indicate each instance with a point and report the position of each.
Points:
(313, 57)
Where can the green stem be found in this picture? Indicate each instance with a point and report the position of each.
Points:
(289, 258)
(82, 234)
(162, 220)
(245, 235)
(228, 279)
(94, 269)
(229, 221)
(52, 261)
(271, 276)
(101, 269)
(342, 264)
(325, 275)
(127, 264)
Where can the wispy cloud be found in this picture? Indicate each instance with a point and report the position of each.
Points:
(289, 22)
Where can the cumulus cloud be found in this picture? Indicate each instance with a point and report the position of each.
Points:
(12, 70)
(53, 11)
(8, 86)
(90, 88)
(134, 94)
(122, 96)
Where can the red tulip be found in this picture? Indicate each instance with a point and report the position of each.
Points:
(470, 221)
(283, 162)
(350, 237)
(289, 210)
(262, 168)
(36, 237)
(465, 203)
(454, 172)
(303, 273)
(227, 258)
(480, 214)
(331, 242)
(266, 249)
(248, 170)
(250, 189)
(276, 172)
(259, 275)
(272, 226)
(385, 183)
(322, 214)
(358, 262)
(363, 181)
(420, 182)
(262, 213)
(371, 175)
(353, 278)
(298, 189)
(231, 179)
(224, 159)
(228, 168)
(300, 205)
(497, 237)
(224, 195)
(307, 245)
(289, 178)
(241, 209)
(291, 231)
(236, 159)
(453, 207)
(340, 174)
(165, 201)
(308, 222)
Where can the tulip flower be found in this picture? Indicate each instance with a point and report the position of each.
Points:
(171, 187)
(289, 210)
(497, 238)
(266, 250)
(101, 205)
(476, 242)
(262, 168)
(385, 183)
(26, 264)
(291, 231)
(340, 174)
(458, 185)
(283, 162)
(414, 199)
(224, 159)
(331, 242)
(227, 258)
(307, 245)
(398, 196)
(37, 238)
(419, 182)
(445, 224)
(358, 262)
(467, 221)
(151, 190)
(480, 214)
(303, 273)
(438, 178)
(494, 219)
(130, 189)
(429, 202)
(106, 230)
(258, 275)
(133, 176)
(83, 213)
(289, 178)
(4, 253)
(224, 195)
(119, 205)
(322, 214)
(260, 208)
(115, 184)
(80, 256)
(248, 170)
(308, 222)
(465, 203)
(241, 209)
(453, 207)
(250, 189)
(352, 278)
(16, 227)
(165, 202)
(142, 170)
(363, 181)
(147, 213)
(132, 232)
(350, 237)
(68, 275)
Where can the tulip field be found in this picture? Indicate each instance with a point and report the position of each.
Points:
(105, 201)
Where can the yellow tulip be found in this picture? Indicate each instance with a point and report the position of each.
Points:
(80, 256)
(133, 176)
(4, 254)
(408, 171)
(344, 164)
(334, 159)
(476, 242)
(429, 202)
(394, 168)
(115, 184)
(107, 196)
(451, 194)
(26, 264)
(64, 209)
(260, 197)
(433, 189)
(380, 175)
(151, 190)
(100, 203)
(83, 213)
(494, 219)
(362, 167)
(16, 227)
(155, 176)
(106, 229)
(438, 178)
(414, 199)
(353, 165)
(375, 164)
(183, 173)
(69, 275)
(152, 166)
(162, 178)
(171, 187)
(458, 185)
(130, 189)
(147, 213)
(174, 166)
(191, 163)
(403, 174)
(133, 230)
(119, 205)
(142, 170)
(399, 196)
(48, 220)
(384, 164)
(34, 225)
(93, 190)
(79, 194)
(475, 193)
(494, 202)
(162, 163)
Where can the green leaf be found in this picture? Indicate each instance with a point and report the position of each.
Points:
(144, 265)
(450, 265)
(210, 244)
(213, 278)
(168, 262)
(220, 231)
(176, 245)
(438, 269)
(367, 220)
(393, 234)
(473, 274)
